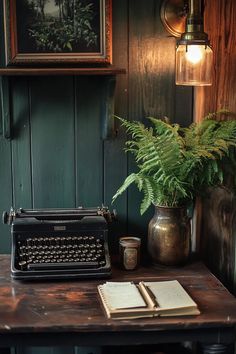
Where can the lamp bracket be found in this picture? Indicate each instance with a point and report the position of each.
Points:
(173, 16)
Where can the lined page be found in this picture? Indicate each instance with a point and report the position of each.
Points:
(122, 295)
(170, 294)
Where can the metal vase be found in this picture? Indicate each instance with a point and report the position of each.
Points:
(169, 236)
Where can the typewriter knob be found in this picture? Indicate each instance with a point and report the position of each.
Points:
(4, 217)
(7, 218)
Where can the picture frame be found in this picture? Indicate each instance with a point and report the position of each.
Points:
(57, 32)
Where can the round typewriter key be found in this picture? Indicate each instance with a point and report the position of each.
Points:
(29, 242)
(129, 250)
(22, 264)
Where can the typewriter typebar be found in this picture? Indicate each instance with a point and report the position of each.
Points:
(59, 243)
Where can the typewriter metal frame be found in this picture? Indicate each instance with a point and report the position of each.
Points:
(59, 223)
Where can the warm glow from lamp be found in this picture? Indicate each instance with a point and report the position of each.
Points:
(194, 65)
(194, 56)
(194, 53)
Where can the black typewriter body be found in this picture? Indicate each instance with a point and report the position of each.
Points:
(59, 244)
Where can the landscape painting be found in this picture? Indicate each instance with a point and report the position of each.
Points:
(58, 30)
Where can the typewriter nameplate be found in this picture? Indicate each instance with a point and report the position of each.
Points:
(59, 228)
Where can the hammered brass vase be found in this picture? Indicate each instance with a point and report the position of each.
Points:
(169, 235)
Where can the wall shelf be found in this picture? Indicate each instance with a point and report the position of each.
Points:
(108, 73)
(60, 71)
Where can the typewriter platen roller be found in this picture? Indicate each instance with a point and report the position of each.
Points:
(59, 243)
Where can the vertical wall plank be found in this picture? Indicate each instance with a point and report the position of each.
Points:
(52, 141)
(5, 106)
(219, 207)
(115, 159)
(89, 144)
(21, 145)
(220, 19)
(218, 233)
(2, 46)
(151, 63)
(6, 192)
(183, 105)
(152, 90)
(6, 198)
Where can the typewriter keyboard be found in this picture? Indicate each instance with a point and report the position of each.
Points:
(55, 253)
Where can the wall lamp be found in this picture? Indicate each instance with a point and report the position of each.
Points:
(194, 56)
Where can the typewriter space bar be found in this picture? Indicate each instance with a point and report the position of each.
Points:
(64, 265)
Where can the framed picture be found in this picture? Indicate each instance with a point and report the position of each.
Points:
(57, 31)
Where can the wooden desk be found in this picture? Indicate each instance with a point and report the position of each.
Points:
(69, 312)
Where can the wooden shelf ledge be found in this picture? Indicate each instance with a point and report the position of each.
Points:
(60, 71)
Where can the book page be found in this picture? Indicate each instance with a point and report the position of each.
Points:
(122, 295)
(170, 294)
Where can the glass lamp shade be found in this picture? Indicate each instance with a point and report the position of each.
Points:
(194, 64)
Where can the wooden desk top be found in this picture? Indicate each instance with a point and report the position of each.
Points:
(74, 307)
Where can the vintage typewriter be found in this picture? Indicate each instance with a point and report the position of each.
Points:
(59, 243)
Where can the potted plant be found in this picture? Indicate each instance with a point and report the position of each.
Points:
(175, 165)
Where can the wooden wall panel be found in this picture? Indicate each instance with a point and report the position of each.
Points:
(115, 160)
(152, 89)
(89, 144)
(151, 86)
(220, 19)
(52, 142)
(218, 233)
(21, 144)
(6, 194)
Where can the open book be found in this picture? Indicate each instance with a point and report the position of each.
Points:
(125, 300)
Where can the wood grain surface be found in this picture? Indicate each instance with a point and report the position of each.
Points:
(73, 306)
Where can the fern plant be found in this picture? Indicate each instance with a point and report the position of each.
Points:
(176, 164)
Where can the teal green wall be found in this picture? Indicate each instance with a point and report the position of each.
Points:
(58, 157)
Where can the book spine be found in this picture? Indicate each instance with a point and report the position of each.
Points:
(103, 300)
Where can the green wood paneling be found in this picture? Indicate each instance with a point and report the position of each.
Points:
(6, 191)
(89, 143)
(2, 56)
(5, 125)
(21, 145)
(52, 141)
(115, 160)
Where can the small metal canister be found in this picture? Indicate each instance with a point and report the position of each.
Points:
(129, 248)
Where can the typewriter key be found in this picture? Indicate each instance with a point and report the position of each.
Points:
(22, 265)
(29, 242)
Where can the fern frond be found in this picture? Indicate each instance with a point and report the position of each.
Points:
(128, 181)
(148, 195)
(215, 114)
(175, 164)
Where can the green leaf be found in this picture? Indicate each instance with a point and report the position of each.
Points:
(129, 180)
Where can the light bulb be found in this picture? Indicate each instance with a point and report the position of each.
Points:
(194, 53)
(194, 63)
